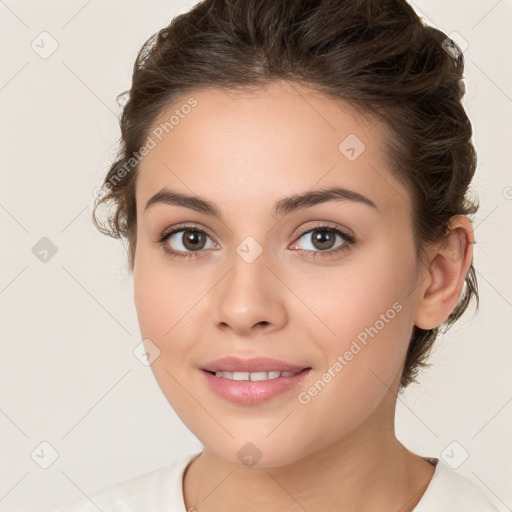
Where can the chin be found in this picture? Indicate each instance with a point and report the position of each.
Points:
(257, 453)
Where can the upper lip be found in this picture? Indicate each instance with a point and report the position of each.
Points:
(255, 364)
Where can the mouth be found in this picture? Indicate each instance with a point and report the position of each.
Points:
(239, 366)
(253, 388)
(256, 376)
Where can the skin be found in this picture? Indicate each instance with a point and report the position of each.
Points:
(243, 152)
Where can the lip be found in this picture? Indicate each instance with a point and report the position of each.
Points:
(255, 364)
(248, 392)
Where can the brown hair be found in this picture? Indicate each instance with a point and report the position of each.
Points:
(377, 56)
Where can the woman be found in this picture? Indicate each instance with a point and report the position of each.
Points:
(292, 186)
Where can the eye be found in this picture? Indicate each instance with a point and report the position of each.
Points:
(322, 239)
(189, 241)
(188, 238)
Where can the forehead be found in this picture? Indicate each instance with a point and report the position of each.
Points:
(262, 142)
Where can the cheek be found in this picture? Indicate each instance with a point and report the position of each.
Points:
(157, 298)
(168, 301)
(343, 301)
(158, 293)
(148, 301)
(369, 316)
(163, 313)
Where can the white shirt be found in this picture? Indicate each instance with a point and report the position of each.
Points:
(161, 490)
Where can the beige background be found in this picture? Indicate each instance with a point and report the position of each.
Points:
(68, 375)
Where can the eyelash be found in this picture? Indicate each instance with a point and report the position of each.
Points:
(349, 240)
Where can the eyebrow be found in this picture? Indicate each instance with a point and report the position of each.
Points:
(283, 206)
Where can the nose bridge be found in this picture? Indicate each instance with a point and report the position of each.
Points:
(250, 293)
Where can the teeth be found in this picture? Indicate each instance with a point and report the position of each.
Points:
(254, 375)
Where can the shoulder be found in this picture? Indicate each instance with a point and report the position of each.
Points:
(153, 491)
(451, 492)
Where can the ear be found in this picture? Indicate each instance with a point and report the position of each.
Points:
(442, 284)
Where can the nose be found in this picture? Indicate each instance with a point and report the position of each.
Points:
(250, 298)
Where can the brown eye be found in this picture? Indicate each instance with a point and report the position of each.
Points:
(186, 241)
(323, 238)
(322, 241)
(193, 240)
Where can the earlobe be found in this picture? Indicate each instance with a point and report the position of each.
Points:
(449, 263)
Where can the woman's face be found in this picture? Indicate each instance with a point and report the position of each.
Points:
(260, 282)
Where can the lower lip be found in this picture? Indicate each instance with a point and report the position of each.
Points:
(252, 392)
